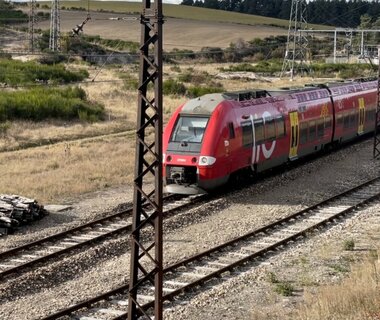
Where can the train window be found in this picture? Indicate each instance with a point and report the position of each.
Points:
(259, 130)
(328, 122)
(280, 127)
(189, 129)
(321, 127)
(303, 132)
(246, 127)
(270, 130)
(353, 119)
(339, 119)
(311, 130)
(313, 95)
(346, 121)
(370, 115)
(231, 130)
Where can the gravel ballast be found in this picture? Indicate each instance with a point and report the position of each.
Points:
(244, 294)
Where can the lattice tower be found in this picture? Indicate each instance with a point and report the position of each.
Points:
(376, 143)
(297, 44)
(55, 27)
(32, 24)
(147, 255)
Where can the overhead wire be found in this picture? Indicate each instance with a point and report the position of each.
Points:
(134, 55)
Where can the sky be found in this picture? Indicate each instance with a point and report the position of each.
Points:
(172, 1)
(164, 1)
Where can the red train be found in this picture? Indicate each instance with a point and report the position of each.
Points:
(213, 136)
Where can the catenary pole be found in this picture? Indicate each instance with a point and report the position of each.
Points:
(147, 255)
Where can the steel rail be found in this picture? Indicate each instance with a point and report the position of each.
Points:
(286, 221)
(18, 252)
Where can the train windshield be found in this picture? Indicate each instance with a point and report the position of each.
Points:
(189, 129)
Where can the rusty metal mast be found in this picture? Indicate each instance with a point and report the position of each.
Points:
(147, 255)
(376, 143)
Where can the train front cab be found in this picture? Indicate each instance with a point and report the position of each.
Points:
(182, 154)
(197, 149)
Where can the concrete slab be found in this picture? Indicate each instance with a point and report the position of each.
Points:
(57, 207)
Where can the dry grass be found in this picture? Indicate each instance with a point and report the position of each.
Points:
(24, 134)
(55, 172)
(357, 297)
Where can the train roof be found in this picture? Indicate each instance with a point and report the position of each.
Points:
(207, 103)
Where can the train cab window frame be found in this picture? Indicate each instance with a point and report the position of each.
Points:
(304, 128)
(231, 130)
(189, 128)
(270, 129)
(312, 130)
(280, 126)
(259, 130)
(247, 133)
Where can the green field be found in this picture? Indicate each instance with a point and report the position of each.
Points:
(183, 12)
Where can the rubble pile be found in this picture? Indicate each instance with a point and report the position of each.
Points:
(16, 210)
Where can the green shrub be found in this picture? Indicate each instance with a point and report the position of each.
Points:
(42, 103)
(266, 66)
(349, 245)
(4, 127)
(284, 288)
(21, 73)
(175, 68)
(196, 91)
(181, 54)
(339, 268)
(343, 70)
(131, 84)
(195, 77)
(51, 59)
(212, 53)
(173, 87)
(118, 44)
(350, 73)
(272, 278)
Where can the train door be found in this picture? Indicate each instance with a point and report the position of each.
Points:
(361, 116)
(294, 135)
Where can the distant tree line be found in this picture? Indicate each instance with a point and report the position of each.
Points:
(340, 13)
(8, 14)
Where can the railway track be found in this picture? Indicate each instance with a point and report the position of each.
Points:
(35, 253)
(213, 263)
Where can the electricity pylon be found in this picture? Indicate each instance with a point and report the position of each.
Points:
(55, 27)
(297, 44)
(32, 24)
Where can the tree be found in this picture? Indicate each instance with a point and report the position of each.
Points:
(212, 4)
(188, 2)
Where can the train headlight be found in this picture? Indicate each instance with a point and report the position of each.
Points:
(206, 161)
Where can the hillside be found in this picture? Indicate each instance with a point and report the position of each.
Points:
(178, 33)
(185, 27)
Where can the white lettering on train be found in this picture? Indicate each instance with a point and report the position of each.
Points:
(267, 152)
